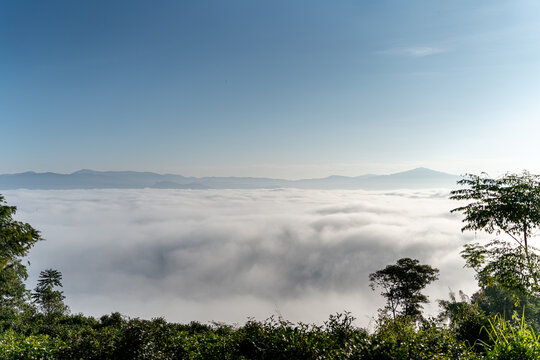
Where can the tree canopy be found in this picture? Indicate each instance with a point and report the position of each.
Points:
(402, 284)
(16, 240)
(508, 205)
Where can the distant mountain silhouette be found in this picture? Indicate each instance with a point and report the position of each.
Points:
(90, 179)
(174, 185)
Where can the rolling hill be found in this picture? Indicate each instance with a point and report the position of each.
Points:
(90, 179)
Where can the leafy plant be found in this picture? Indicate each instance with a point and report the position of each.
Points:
(512, 340)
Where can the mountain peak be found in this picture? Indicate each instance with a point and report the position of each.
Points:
(84, 172)
(421, 171)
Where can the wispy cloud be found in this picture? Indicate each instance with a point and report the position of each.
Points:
(226, 255)
(415, 51)
(424, 51)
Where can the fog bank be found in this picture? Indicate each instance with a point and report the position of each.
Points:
(226, 255)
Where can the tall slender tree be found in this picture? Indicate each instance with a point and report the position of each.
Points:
(50, 300)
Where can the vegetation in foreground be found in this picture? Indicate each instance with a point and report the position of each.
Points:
(500, 321)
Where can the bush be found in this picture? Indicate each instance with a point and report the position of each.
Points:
(404, 339)
(16, 346)
(512, 340)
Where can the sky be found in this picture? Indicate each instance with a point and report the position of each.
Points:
(227, 255)
(290, 89)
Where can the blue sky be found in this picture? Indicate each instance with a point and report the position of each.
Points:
(275, 88)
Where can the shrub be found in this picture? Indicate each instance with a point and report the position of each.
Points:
(512, 340)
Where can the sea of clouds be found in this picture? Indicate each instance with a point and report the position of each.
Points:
(226, 255)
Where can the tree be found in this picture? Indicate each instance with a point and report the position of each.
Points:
(50, 301)
(498, 301)
(510, 206)
(467, 319)
(16, 239)
(402, 284)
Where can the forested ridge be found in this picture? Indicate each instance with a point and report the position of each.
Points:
(500, 321)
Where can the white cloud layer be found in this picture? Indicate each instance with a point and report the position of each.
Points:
(227, 255)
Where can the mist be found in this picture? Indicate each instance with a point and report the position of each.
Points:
(228, 255)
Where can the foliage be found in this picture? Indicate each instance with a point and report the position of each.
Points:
(16, 239)
(509, 205)
(80, 337)
(507, 269)
(401, 338)
(50, 301)
(15, 346)
(499, 264)
(467, 320)
(402, 284)
(512, 340)
(499, 301)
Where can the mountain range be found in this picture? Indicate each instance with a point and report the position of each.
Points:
(90, 179)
